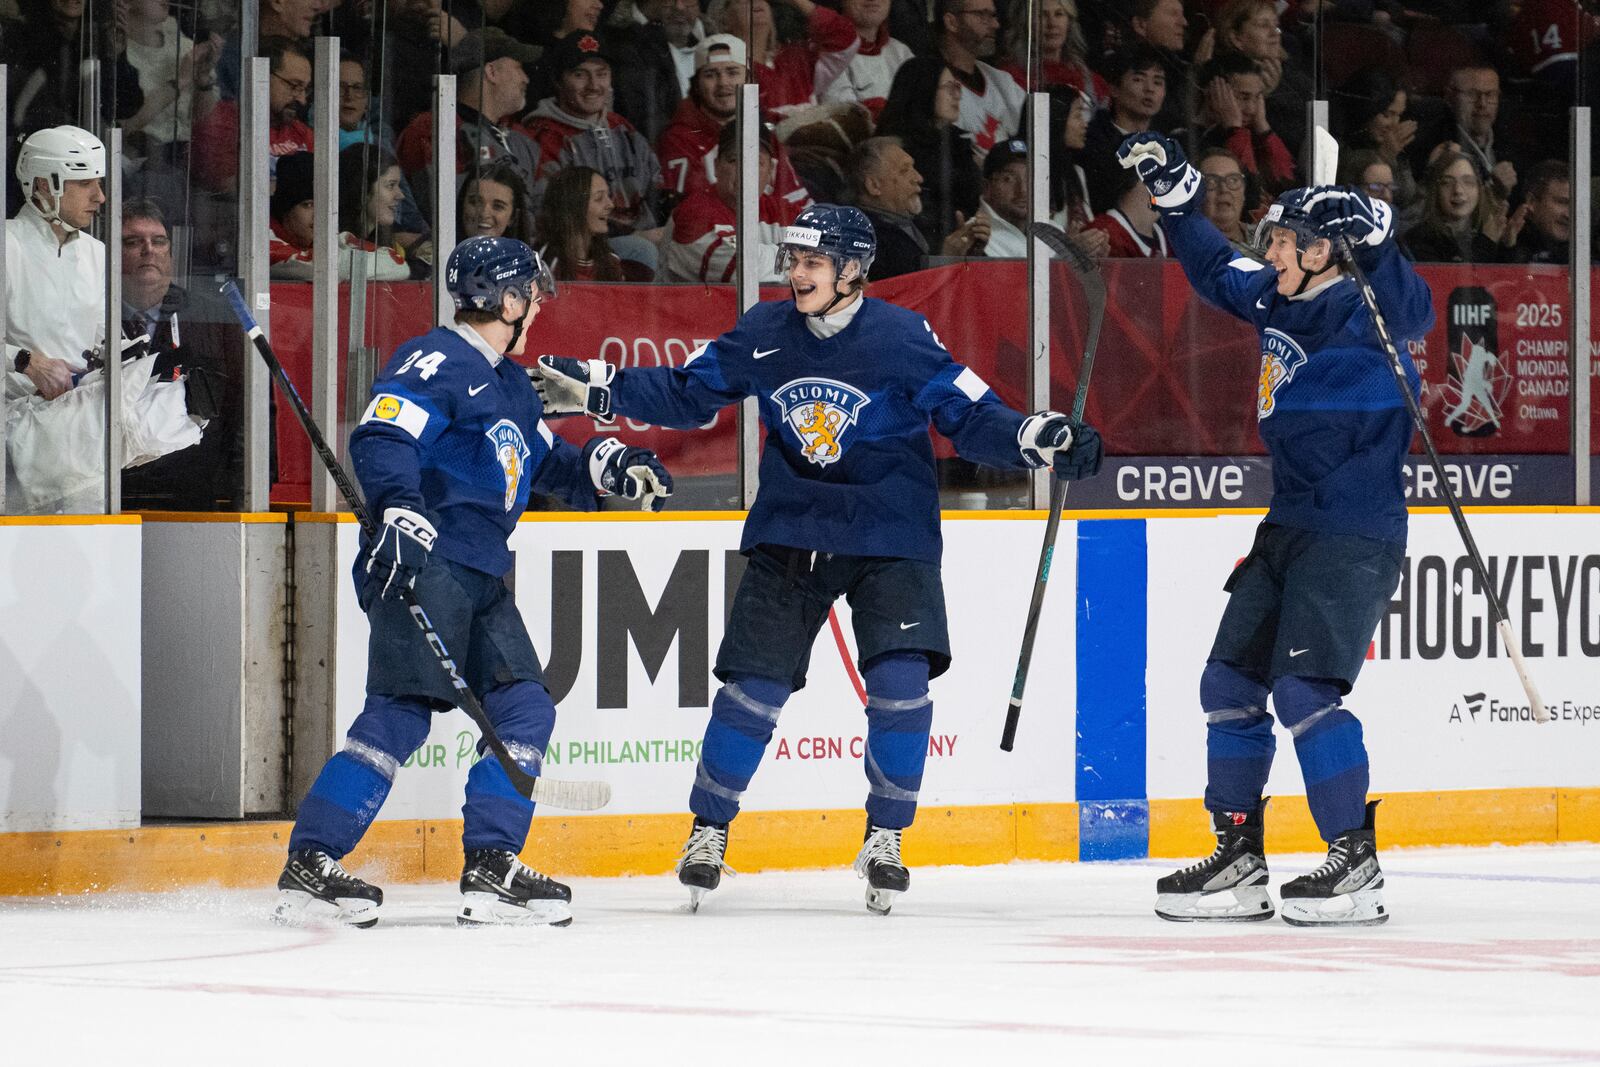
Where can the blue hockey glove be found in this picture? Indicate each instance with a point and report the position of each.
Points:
(1071, 449)
(401, 550)
(1158, 160)
(569, 386)
(631, 473)
(1338, 212)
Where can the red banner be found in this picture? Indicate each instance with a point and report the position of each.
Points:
(1173, 376)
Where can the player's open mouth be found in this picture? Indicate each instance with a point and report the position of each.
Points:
(804, 290)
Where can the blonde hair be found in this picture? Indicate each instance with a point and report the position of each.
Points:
(1075, 51)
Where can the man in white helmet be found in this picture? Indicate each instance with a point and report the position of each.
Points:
(55, 271)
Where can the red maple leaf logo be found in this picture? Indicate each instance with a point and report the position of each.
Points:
(588, 43)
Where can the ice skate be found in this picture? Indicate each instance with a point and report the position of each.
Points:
(497, 889)
(701, 866)
(314, 886)
(1230, 885)
(1347, 890)
(879, 863)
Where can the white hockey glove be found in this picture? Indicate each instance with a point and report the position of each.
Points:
(568, 386)
(1071, 449)
(401, 550)
(631, 473)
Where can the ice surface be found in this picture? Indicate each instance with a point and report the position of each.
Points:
(1492, 957)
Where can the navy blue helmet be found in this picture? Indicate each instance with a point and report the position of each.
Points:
(840, 232)
(481, 269)
(1288, 212)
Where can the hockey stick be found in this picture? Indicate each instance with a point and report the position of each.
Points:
(1496, 609)
(1094, 293)
(573, 796)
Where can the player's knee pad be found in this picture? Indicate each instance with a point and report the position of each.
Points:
(1307, 705)
(524, 716)
(899, 716)
(353, 785)
(1329, 745)
(388, 730)
(1228, 694)
(1239, 741)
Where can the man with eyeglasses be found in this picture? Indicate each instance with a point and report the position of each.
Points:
(991, 99)
(1474, 98)
(216, 137)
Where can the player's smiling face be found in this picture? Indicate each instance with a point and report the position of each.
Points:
(1292, 268)
(813, 280)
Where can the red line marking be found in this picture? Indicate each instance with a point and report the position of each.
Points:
(849, 660)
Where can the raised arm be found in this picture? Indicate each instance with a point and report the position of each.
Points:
(680, 398)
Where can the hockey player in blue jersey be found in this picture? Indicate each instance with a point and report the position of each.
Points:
(448, 452)
(848, 506)
(1304, 603)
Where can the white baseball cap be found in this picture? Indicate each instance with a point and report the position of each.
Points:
(719, 48)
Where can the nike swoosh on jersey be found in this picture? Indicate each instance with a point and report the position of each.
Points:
(909, 625)
(1260, 305)
(1293, 652)
(475, 390)
(759, 353)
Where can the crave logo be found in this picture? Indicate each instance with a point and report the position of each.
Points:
(1280, 358)
(820, 411)
(511, 451)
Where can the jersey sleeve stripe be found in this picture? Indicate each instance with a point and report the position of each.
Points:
(970, 384)
(545, 433)
(397, 411)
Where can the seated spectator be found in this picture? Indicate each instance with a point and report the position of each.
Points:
(657, 54)
(494, 203)
(578, 17)
(44, 54)
(216, 137)
(369, 191)
(1063, 53)
(178, 79)
(491, 90)
(1458, 216)
(1131, 224)
(576, 128)
(1366, 170)
(1234, 116)
(687, 146)
(1069, 185)
(290, 19)
(1368, 111)
(1548, 41)
(573, 222)
(1474, 98)
(921, 113)
(991, 99)
(1138, 90)
(888, 189)
(704, 240)
(1161, 25)
(1227, 193)
(196, 336)
(1005, 200)
(1252, 28)
(1540, 231)
(790, 75)
(356, 126)
(403, 43)
(871, 70)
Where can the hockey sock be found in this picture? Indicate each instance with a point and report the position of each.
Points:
(743, 715)
(1333, 759)
(352, 786)
(899, 715)
(1239, 741)
(495, 815)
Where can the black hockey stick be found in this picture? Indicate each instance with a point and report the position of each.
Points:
(573, 796)
(1496, 609)
(1094, 293)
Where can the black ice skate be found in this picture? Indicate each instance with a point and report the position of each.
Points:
(1347, 890)
(497, 889)
(313, 886)
(701, 866)
(879, 863)
(1231, 885)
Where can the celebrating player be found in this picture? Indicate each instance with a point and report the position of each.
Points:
(848, 506)
(1304, 603)
(448, 452)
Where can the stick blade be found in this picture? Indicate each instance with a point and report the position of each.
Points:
(1059, 244)
(571, 795)
(1325, 164)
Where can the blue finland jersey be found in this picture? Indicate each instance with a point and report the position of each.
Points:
(460, 439)
(1326, 402)
(848, 463)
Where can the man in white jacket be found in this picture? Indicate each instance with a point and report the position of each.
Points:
(55, 272)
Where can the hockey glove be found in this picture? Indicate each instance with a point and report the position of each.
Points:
(569, 386)
(401, 550)
(1340, 212)
(631, 473)
(1071, 449)
(1175, 186)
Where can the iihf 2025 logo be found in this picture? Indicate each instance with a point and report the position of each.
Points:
(819, 411)
(1280, 358)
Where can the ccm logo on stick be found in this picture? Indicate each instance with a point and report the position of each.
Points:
(1180, 482)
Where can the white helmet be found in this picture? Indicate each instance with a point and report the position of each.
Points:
(59, 154)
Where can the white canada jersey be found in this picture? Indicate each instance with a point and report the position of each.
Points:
(995, 114)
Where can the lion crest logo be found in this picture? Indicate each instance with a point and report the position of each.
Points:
(820, 411)
(1280, 358)
(511, 451)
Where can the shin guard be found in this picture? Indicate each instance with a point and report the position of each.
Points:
(495, 815)
(743, 715)
(899, 716)
(1239, 741)
(1333, 758)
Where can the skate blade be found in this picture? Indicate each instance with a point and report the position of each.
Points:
(879, 901)
(296, 907)
(1241, 904)
(486, 909)
(1364, 907)
(696, 895)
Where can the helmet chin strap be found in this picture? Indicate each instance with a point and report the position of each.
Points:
(517, 326)
(1305, 274)
(53, 212)
(837, 297)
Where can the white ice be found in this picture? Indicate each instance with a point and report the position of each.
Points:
(1492, 958)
